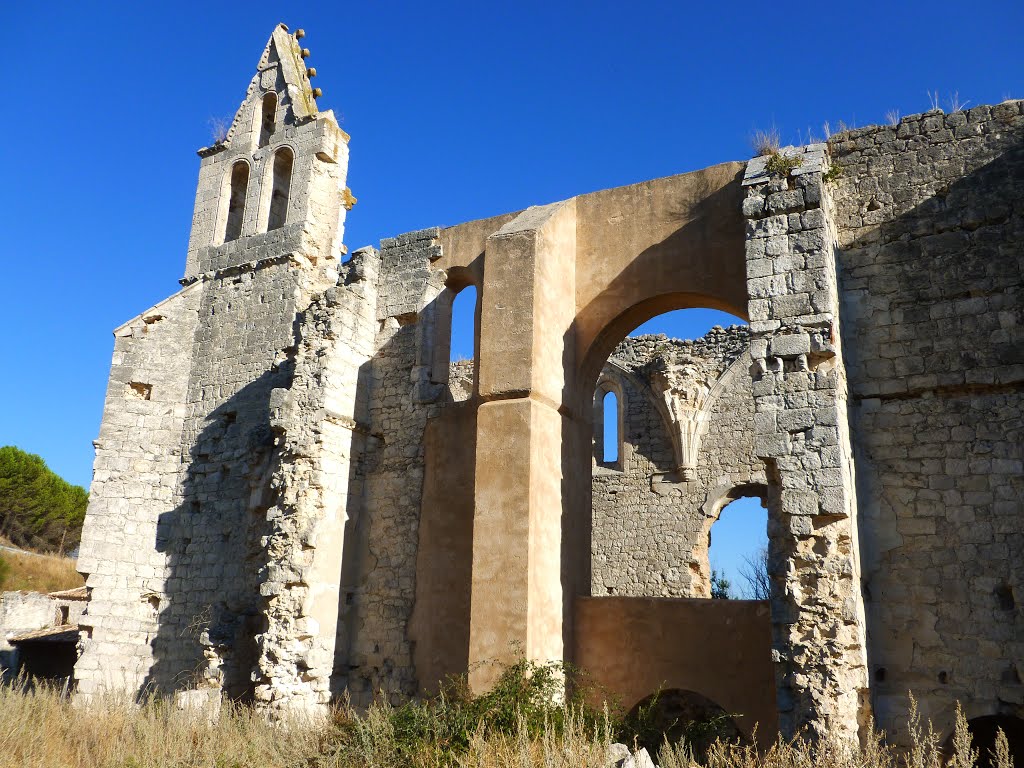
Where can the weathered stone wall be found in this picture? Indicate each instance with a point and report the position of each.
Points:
(800, 424)
(136, 479)
(650, 525)
(379, 587)
(174, 546)
(931, 226)
(321, 422)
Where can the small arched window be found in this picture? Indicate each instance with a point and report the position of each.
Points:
(268, 118)
(282, 179)
(236, 201)
(611, 451)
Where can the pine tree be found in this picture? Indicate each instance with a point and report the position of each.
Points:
(38, 508)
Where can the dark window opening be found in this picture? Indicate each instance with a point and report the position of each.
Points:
(282, 180)
(268, 118)
(236, 202)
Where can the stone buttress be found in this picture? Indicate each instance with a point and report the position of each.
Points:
(802, 435)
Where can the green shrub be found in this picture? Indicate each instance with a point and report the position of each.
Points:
(833, 173)
(782, 165)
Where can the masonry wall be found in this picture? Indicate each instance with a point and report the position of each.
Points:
(185, 497)
(321, 424)
(931, 257)
(650, 525)
(136, 480)
(379, 580)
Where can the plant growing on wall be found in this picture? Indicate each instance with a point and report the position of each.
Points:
(782, 165)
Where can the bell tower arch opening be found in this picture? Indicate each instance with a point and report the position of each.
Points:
(238, 189)
(268, 119)
(281, 180)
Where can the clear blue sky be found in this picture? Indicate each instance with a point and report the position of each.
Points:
(456, 111)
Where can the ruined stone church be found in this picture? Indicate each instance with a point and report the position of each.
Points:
(295, 494)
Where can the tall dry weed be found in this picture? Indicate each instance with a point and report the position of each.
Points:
(41, 729)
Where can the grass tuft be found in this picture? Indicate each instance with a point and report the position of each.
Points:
(766, 142)
(782, 165)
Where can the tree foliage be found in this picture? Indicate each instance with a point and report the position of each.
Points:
(38, 508)
(720, 586)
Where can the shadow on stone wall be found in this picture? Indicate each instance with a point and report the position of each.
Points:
(933, 306)
(210, 612)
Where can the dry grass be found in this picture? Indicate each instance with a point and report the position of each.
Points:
(37, 573)
(38, 729)
(766, 142)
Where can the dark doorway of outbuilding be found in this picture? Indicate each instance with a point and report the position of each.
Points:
(48, 654)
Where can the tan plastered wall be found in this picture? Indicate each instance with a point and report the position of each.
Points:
(653, 247)
(440, 621)
(632, 647)
(561, 285)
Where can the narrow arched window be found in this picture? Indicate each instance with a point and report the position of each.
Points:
(268, 119)
(282, 179)
(610, 406)
(463, 336)
(236, 201)
(462, 344)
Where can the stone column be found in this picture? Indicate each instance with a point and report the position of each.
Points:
(800, 395)
(526, 310)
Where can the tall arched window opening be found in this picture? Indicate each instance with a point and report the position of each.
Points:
(463, 325)
(282, 179)
(236, 201)
(610, 407)
(462, 344)
(268, 118)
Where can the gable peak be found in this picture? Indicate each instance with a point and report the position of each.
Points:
(281, 71)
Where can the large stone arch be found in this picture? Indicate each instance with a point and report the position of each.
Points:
(561, 285)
